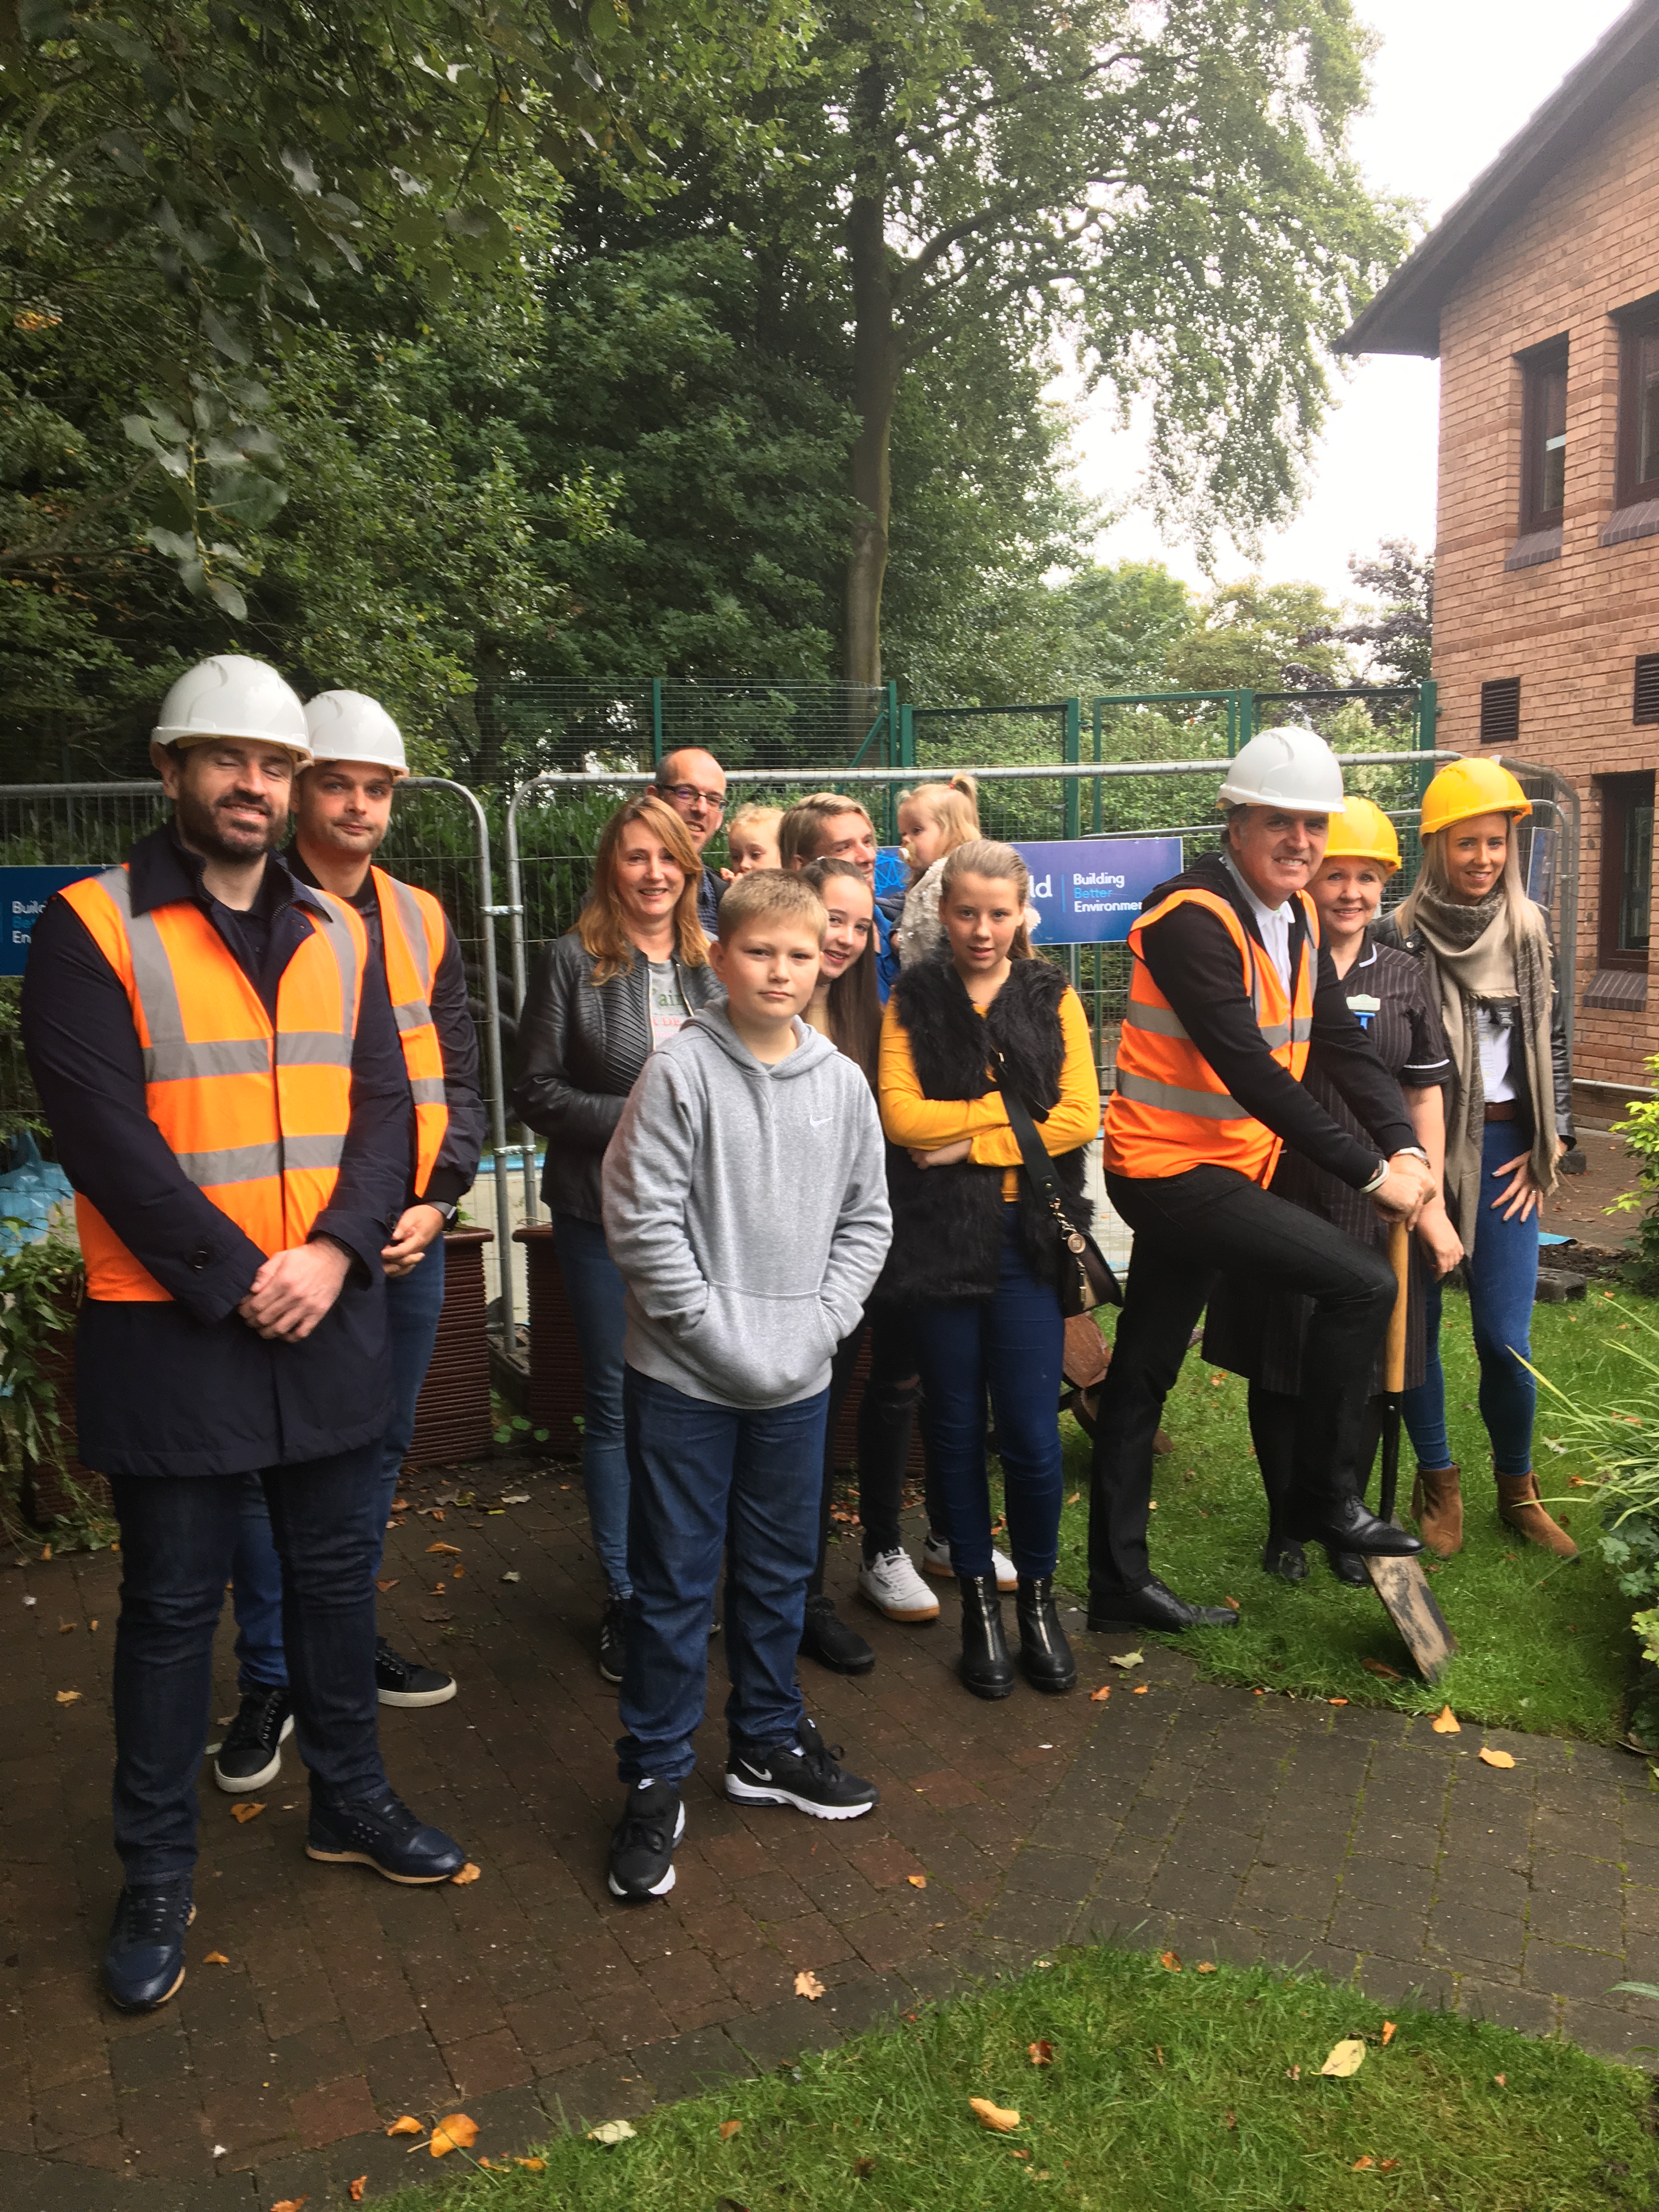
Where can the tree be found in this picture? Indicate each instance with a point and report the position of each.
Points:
(1168, 190)
(1271, 637)
(1399, 640)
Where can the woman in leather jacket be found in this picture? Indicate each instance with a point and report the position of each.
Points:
(1509, 1117)
(623, 980)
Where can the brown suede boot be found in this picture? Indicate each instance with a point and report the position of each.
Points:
(1437, 1508)
(1518, 1508)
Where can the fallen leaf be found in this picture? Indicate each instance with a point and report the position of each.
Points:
(67, 1696)
(436, 1615)
(1014, 2151)
(437, 1589)
(456, 2133)
(1388, 1674)
(864, 2167)
(355, 2189)
(216, 1959)
(1157, 2052)
(917, 1881)
(1346, 2057)
(1502, 2081)
(1446, 1722)
(1000, 2118)
(1490, 1758)
(807, 1985)
(1139, 1690)
(1292, 2073)
(1206, 1965)
(453, 1551)
(1099, 1697)
(1389, 2031)
(1042, 2052)
(1387, 2166)
(1362, 2165)
(391, 1582)
(435, 1512)
(243, 1813)
(512, 1576)
(1127, 1659)
(612, 2131)
(532, 2165)
(66, 1628)
(1232, 1601)
(289, 2203)
(1336, 1701)
(1074, 1496)
(458, 1572)
(92, 1624)
(468, 1873)
(730, 2128)
(1231, 2120)
(408, 2125)
(1171, 1962)
(46, 1552)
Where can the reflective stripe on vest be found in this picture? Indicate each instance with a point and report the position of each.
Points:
(413, 935)
(255, 1115)
(1170, 1111)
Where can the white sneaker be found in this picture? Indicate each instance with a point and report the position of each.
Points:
(893, 1587)
(936, 1558)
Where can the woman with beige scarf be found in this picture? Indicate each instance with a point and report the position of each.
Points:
(1509, 1117)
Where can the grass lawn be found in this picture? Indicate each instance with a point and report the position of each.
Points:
(1165, 2089)
(1545, 1645)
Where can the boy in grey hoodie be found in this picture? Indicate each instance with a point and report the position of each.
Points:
(745, 1205)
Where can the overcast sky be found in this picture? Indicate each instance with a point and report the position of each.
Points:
(1453, 82)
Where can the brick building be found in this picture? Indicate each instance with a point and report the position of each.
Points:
(1540, 293)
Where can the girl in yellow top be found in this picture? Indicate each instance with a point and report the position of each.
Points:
(975, 1254)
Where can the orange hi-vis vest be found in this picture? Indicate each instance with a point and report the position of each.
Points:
(256, 1115)
(1170, 1111)
(413, 935)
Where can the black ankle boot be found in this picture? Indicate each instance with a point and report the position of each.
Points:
(986, 1668)
(1045, 1656)
(1283, 1556)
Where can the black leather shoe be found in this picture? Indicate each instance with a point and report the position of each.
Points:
(382, 1833)
(985, 1666)
(1045, 1656)
(1284, 1557)
(1345, 1525)
(1153, 1605)
(144, 1958)
(825, 1636)
(1349, 1567)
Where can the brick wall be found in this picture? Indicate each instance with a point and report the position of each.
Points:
(1570, 628)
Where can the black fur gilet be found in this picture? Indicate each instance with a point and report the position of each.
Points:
(947, 1222)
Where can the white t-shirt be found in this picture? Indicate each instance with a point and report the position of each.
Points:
(1492, 1042)
(667, 1007)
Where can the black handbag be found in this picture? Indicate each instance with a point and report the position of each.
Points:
(1086, 1278)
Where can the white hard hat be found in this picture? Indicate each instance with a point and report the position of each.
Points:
(350, 726)
(1286, 767)
(232, 697)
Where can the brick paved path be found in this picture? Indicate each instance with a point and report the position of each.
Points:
(1231, 1826)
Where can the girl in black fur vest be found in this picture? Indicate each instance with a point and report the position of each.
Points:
(975, 1254)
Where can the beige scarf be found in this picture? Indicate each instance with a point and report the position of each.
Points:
(1497, 954)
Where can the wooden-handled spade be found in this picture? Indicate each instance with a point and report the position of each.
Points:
(1401, 1583)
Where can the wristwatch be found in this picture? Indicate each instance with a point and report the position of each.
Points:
(448, 1211)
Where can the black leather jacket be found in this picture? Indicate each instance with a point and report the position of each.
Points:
(581, 1048)
(1388, 932)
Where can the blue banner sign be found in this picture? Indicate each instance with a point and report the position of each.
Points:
(1089, 891)
(23, 893)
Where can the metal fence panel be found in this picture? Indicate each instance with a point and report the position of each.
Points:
(746, 724)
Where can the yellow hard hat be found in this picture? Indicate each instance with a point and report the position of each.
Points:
(1362, 833)
(1468, 787)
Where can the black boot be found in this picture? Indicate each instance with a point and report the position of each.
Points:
(1045, 1656)
(1341, 1523)
(1283, 1556)
(986, 1668)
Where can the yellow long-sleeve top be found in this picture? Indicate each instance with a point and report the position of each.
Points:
(924, 1124)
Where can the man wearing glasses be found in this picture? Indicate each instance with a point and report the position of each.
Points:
(694, 784)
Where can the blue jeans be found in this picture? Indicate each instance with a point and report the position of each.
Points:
(1012, 1344)
(178, 1536)
(413, 1304)
(1502, 1273)
(595, 1291)
(703, 1478)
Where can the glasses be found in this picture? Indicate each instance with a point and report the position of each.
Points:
(688, 795)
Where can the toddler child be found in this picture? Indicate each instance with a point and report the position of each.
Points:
(933, 819)
(751, 840)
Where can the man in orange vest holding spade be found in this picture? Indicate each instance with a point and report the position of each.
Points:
(1229, 997)
(232, 1106)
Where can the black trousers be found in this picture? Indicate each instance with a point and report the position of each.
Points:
(1274, 1417)
(886, 1416)
(1191, 1230)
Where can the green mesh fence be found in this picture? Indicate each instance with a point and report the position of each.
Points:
(745, 725)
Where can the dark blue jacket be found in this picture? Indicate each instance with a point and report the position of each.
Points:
(188, 1388)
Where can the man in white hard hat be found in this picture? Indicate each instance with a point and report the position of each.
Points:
(1228, 997)
(343, 809)
(231, 1105)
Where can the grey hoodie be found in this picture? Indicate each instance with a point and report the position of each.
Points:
(746, 1207)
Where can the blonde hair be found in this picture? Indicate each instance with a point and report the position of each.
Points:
(801, 827)
(754, 816)
(1526, 918)
(998, 864)
(767, 892)
(951, 807)
(602, 925)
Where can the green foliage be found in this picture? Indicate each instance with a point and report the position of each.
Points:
(1640, 1131)
(41, 1285)
(1260, 637)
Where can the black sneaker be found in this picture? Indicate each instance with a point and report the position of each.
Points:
(381, 1831)
(802, 1774)
(144, 1958)
(252, 1753)
(612, 1639)
(825, 1636)
(642, 1842)
(403, 1682)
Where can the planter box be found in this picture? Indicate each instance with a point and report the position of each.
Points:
(453, 1418)
(556, 1366)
